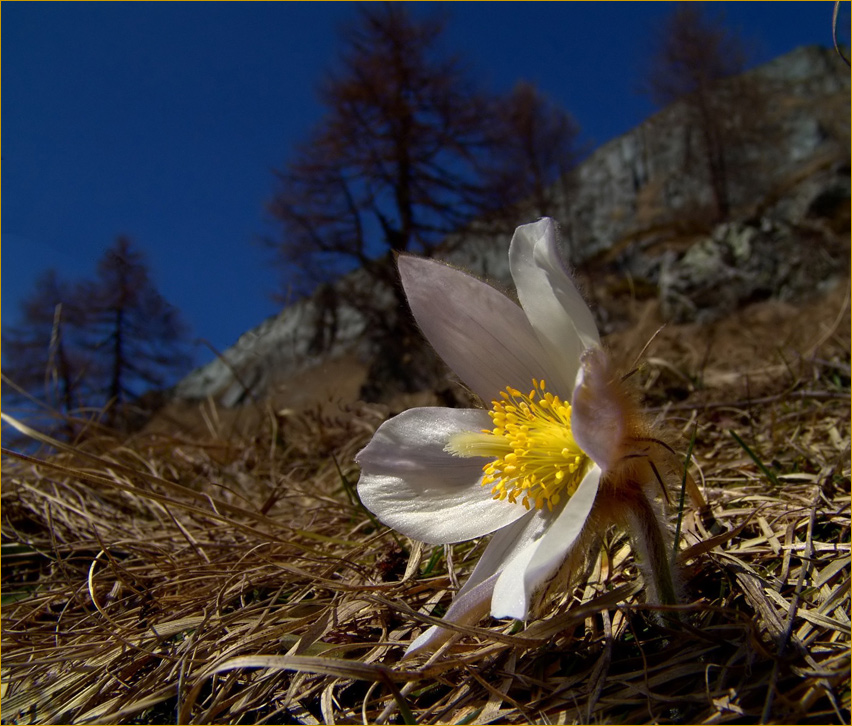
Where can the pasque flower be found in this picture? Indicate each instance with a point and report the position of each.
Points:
(559, 452)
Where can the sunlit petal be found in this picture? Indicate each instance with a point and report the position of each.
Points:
(537, 561)
(417, 488)
(478, 332)
(468, 607)
(509, 600)
(554, 306)
(473, 600)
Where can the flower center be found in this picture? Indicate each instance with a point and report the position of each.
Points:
(535, 457)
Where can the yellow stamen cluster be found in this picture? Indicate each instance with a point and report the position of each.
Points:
(535, 457)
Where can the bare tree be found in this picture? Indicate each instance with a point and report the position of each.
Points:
(695, 54)
(536, 151)
(404, 157)
(394, 166)
(136, 337)
(98, 344)
(40, 355)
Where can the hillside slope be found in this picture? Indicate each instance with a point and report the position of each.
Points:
(629, 224)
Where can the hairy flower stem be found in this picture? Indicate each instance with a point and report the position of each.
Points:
(651, 543)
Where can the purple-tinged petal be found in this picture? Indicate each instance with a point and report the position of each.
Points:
(534, 564)
(598, 410)
(558, 314)
(412, 485)
(478, 332)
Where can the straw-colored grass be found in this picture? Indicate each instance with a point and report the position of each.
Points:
(237, 580)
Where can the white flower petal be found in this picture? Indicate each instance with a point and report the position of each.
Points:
(508, 599)
(467, 608)
(417, 488)
(478, 332)
(563, 532)
(505, 543)
(554, 306)
(473, 599)
(536, 562)
(415, 440)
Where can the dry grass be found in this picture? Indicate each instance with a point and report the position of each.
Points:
(218, 580)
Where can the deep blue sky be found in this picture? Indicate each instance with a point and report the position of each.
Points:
(164, 121)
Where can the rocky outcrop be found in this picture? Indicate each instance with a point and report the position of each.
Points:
(300, 337)
(636, 206)
(741, 263)
(637, 187)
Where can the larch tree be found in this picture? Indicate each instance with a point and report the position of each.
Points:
(697, 61)
(41, 358)
(96, 345)
(404, 157)
(537, 151)
(135, 337)
(394, 166)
